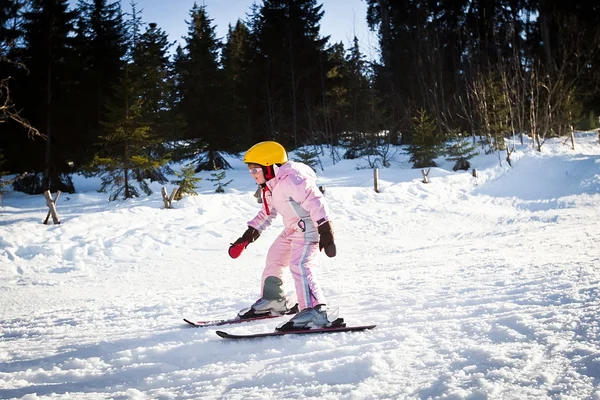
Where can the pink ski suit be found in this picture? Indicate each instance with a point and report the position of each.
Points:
(293, 193)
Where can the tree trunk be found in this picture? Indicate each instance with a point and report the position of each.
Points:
(293, 78)
(270, 106)
(48, 153)
(127, 194)
(544, 11)
(386, 45)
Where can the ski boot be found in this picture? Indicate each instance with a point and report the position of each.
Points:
(319, 316)
(264, 307)
(273, 301)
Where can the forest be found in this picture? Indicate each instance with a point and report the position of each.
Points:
(91, 89)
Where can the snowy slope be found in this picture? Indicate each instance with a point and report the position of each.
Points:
(481, 288)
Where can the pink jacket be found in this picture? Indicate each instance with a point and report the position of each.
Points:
(293, 193)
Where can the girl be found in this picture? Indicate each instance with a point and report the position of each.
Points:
(289, 189)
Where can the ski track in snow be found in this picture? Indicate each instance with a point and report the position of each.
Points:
(482, 288)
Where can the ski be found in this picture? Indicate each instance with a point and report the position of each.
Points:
(219, 322)
(226, 335)
(249, 316)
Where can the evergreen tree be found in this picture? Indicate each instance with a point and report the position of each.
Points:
(337, 108)
(289, 69)
(591, 122)
(44, 96)
(460, 149)
(218, 177)
(236, 60)
(11, 31)
(423, 148)
(351, 98)
(101, 41)
(187, 181)
(10, 26)
(358, 88)
(152, 69)
(200, 87)
(307, 156)
(125, 159)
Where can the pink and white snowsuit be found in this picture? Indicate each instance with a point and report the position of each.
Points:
(293, 193)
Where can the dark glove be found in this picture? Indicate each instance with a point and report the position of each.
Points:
(249, 236)
(237, 247)
(326, 239)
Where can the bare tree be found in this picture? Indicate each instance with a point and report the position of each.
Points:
(563, 85)
(8, 110)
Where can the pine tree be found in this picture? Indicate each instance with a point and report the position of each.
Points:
(187, 181)
(199, 85)
(102, 43)
(461, 149)
(44, 95)
(337, 96)
(359, 88)
(289, 69)
(351, 97)
(592, 121)
(423, 148)
(307, 156)
(236, 59)
(11, 31)
(125, 158)
(218, 177)
(153, 70)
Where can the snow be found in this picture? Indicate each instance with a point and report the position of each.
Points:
(481, 288)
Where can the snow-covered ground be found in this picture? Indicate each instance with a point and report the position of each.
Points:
(481, 288)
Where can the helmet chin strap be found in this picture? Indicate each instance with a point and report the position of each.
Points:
(270, 171)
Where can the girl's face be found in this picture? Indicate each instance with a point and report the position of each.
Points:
(257, 173)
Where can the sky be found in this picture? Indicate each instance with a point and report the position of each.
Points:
(342, 19)
(482, 287)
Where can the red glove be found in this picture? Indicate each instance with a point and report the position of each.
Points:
(237, 247)
(235, 250)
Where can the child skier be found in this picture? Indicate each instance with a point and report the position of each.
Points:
(289, 189)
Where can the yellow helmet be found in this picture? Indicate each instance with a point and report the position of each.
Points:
(266, 153)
